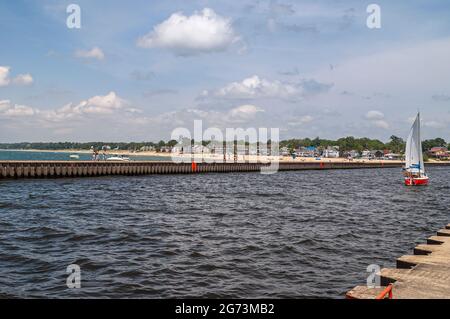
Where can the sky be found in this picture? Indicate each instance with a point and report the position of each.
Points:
(136, 70)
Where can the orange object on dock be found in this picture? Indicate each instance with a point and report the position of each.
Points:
(423, 275)
(194, 166)
(387, 291)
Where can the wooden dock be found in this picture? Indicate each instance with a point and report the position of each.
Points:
(423, 275)
(52, 169)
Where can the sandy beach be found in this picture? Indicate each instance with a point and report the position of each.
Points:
(219, 157)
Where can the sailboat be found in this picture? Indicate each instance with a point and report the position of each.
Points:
(414, 170)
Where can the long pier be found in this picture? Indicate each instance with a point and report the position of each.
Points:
(53, 169)
(49, 169)
(423, 275)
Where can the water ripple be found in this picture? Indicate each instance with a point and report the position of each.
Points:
(293, 234)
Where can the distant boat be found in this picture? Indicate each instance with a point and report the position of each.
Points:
(414, 170)
(74, 156)
(118, 158)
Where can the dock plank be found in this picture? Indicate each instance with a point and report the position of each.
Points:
(364, 292)
(433, 240)
(424, 249)
(444, 232)
(425, 275)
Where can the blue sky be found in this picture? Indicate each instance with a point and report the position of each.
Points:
(135, 71)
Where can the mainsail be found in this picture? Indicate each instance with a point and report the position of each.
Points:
(413, 153)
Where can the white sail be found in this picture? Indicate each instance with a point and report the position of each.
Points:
(413, 153)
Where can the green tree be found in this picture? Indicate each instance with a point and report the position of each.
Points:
(437, 142)
(396, 144)
(171, 143)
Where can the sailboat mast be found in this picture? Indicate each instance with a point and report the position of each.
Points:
(418, 133)
(422, 168)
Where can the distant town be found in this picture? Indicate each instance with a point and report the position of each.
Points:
(346, 147)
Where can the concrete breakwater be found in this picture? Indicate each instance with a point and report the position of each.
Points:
(53, 169)
(423, 275)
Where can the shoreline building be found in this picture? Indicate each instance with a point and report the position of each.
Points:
(331, 152)
(440, 153)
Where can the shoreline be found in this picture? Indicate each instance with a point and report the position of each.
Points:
(74, 151)
(212, 157)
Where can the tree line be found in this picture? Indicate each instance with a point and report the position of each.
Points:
(130, 146)
(395, 144)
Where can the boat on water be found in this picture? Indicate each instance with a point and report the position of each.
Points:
(414, 170)
(119, 158)
(74, 156)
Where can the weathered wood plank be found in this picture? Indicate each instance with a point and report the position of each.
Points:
(425, 275)
(364, 292)
(444, 232)
(424, 249)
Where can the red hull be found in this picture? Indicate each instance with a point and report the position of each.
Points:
(416, 181)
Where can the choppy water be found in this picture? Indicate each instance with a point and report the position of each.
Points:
(292, 234)
(6, 155)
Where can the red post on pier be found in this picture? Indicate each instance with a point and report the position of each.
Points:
(194, 166)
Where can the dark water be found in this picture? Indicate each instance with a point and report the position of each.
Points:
(292, 234)
(60, 156)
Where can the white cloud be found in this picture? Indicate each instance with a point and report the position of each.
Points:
(201, 32)
(8, 109)
(101, 104)
(256, 87)
(381, 124)
(4, 105)
(376, 118)
(4, 75)
(98, 105)
(185, 117)
(245, 111)
(23, 79)
(374, 115)
(94, 53)
(20, 110)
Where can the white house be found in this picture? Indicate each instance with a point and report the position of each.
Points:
(330, 153)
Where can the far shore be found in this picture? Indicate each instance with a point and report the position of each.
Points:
(109, 152)
(48, 151)
(218, 157)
